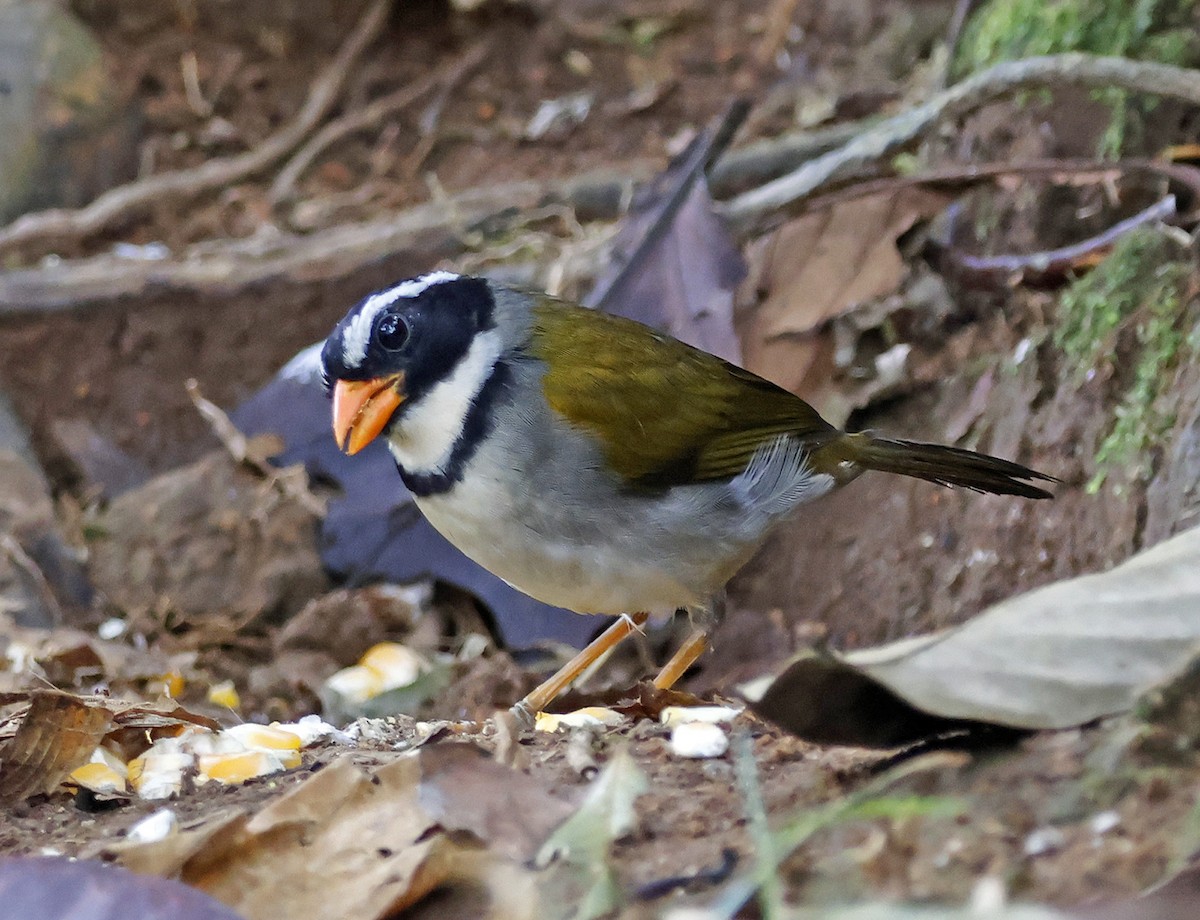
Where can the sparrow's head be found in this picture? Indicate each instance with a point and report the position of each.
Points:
(426, 340)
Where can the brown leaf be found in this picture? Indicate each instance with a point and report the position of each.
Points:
(367, 840)
(58, 733)
(818, 267)
(464, 789)
(137, 725)
(825, 263)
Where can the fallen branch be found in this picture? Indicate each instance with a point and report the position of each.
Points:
(433, 231)
(761, 161)
(892, 135)
(118, 202)
(370, 116)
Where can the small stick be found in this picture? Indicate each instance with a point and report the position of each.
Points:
(955, 177)
(369, 116)
(1046, 266)
(238, 446)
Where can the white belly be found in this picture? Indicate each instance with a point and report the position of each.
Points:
(607, 576)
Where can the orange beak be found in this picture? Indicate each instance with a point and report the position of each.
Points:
(361, 409)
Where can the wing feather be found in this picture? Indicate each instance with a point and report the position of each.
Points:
(666, 413)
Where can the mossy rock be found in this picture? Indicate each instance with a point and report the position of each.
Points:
(1132, 309)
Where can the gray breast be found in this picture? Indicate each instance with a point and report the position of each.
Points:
(537, 506)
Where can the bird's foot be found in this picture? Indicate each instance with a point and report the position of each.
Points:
(525, 716)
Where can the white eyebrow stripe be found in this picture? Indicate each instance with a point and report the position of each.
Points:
(357, 336)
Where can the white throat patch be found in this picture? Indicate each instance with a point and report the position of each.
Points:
(425, 437)
(358, 331)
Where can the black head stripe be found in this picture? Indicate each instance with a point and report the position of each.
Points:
(443, 317)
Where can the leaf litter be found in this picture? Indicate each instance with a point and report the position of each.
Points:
(668, 802)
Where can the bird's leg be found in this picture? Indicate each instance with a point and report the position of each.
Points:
(544, 693)
(683, 659)
(635, 626)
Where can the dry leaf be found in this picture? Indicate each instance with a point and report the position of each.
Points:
(818, 267)
(826, 263)
(674, 264)
(1056, 657)
(57, 734)
(460, 790)
(365, 840)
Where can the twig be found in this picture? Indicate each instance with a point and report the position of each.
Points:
(877, 143)
(290, 482)
(432, 115)
(108, 207)
(761, 161)
(954, 33)
(368, 117)
(1041, 267)
(710, 875)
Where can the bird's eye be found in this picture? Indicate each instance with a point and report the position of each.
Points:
(391, 333)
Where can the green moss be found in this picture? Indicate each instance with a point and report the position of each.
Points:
(1139, 288)
(1158, 30)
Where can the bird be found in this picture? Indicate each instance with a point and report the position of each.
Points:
(593, 462)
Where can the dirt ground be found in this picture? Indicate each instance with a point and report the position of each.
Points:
(881, 559)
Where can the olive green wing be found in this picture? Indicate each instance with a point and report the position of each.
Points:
(666, 413)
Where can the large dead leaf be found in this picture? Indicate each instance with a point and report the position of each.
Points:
(821, 266)
(1060, 656)
(674, 264)
(363, 839)
(56, 734)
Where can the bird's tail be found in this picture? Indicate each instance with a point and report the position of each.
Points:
(948, 466)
